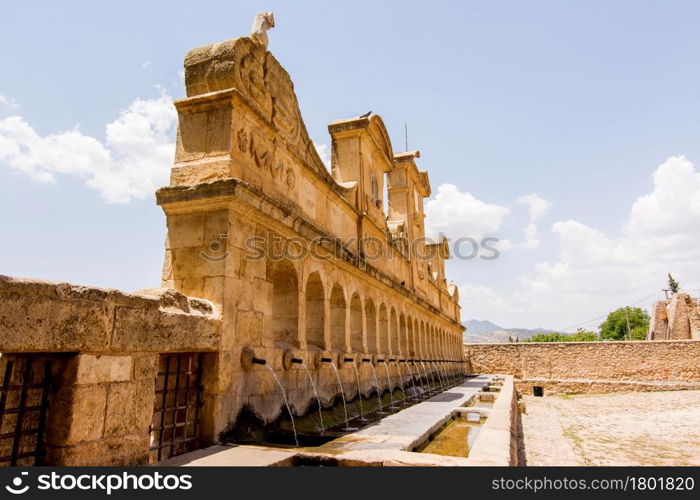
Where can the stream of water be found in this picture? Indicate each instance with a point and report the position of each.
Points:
(286, 403)
(318, 400)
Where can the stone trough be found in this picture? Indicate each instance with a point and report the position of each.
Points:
(395, 439)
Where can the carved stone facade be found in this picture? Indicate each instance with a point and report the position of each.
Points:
(304, 262)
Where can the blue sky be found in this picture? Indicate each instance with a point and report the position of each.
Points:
(584, 108)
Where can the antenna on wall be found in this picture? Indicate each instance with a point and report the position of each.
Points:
(405, 130)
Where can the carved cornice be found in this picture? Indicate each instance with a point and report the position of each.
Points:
(180, 199)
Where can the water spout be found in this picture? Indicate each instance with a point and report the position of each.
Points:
(318, 400)
(359, 394)
(391, 388)
(425, 372)
(431, 380)
(342, 393)
(413, 382)
(379, 396)
(420, 377)
(437, 374)
(444, 371)
(398, 369)
(284, 396)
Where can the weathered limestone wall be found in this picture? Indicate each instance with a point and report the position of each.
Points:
(590, 366)
(245, 173)
(108, 343)
(46, 316)
(677, 318)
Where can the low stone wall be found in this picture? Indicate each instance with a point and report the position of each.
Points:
(591, 366)
(583, 386)
(106, 345)
(497, 442)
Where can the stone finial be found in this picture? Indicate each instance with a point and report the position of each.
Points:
(263, 22)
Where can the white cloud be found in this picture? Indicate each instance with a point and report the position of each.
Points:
(133, 161)
(457, 215)
(486, 302)
(595, 273)
(8, 101)
(325, 153)
(537, 207)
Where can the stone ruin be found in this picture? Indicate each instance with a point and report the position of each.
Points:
(273, 265)
(677, 318)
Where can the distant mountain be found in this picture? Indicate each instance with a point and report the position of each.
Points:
(485, 332)
(478, 326)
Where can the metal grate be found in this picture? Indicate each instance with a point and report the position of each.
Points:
(24, 392)
(176, 414)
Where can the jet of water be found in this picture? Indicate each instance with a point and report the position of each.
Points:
(413, 382)
(342, 393)
(398, 369)
(318, 400)
(391, 389)
(376, 385)
(286, 403)
(359, 391)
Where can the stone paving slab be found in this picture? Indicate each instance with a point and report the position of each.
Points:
(232, 456)
(405, 430)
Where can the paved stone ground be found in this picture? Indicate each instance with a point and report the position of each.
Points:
(650, 428)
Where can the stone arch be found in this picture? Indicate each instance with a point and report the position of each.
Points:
(403, 346)
(315, 311)
(426, 341)
(285, 302)
(418, 336)
(371, 326)
(394, 332)
(356, 330)
(338, 314)
(383, 330)
(410, 330)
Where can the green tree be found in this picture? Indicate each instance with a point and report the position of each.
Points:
(616, 324)
(580, 336)
(673, 285)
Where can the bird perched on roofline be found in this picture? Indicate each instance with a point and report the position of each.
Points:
(366, 114)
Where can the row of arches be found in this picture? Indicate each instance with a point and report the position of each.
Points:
(325, 316)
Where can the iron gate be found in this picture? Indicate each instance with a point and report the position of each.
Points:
(175, 427)
(24, 393)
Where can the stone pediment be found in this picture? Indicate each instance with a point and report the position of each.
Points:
(252, 71)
